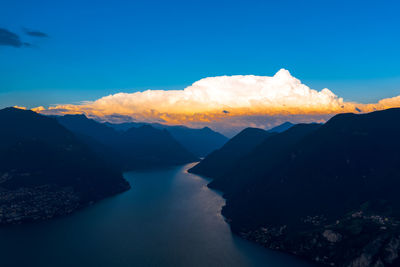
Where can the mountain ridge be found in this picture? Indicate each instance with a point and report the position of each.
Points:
(134, 148)
(199, 141)
(215, 163)
(48, 168)
(329, 196)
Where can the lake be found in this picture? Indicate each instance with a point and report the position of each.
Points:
(168, 218)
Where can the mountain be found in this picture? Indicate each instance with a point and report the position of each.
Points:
(84, 126)
(147, 147)
(199, 142)
(127, 125)
(257, 162)
(45, 171)
(330, 196)
(281, 128)
(141, 147)
(216, 163)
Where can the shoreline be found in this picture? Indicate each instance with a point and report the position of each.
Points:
(42, 203)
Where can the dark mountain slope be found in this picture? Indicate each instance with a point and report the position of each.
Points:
(40, 159)
(221, 160)
(141, 147)
(84, 126)
(258, 161)
(199, 142)
(332, 196)
(127, 125)
(281, 128)
(97, 136)
(354, 156)
(146, 147)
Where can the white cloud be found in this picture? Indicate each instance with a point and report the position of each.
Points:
(225, 103)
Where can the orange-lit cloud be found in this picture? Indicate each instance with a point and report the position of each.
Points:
(19, 107)
(226, 103)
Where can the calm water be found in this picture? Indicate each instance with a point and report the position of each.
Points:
(168, 218)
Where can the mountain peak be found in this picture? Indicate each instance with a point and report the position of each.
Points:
(83, 116)
(281, 128)
(207, 129)
(15, 110)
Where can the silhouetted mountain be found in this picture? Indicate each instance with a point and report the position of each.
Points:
(82, 125)
(281, 128)
(146, 146)
(141, 147)
(219, 161)
(356, 155)
(199, 142)
(99, 137)
(127, 125)
(46, 171)
(257, 162)
(330, 195)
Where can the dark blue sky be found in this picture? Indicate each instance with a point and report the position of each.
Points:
(95, 48)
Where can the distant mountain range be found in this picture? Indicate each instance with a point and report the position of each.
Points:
(215, 164)
(257, 161)
(281, 128)
(199, 142)
(324, 192)
(130, 148)
(46, 171)
(221, 160)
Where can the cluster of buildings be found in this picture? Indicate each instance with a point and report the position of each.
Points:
(36, 203)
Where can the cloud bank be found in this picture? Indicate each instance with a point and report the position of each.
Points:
(225, 103)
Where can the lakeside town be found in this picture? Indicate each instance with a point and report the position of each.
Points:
(29, 204)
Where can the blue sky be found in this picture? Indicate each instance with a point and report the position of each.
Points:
(96, 48)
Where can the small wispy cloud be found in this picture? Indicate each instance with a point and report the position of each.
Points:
(8, 38)
(35, 33)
